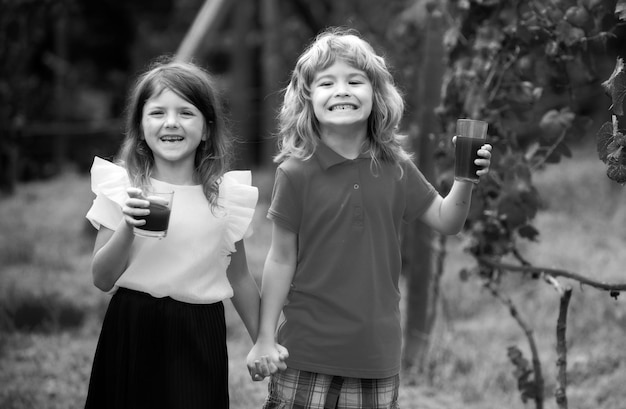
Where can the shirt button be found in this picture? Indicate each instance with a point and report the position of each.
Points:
(356, 186)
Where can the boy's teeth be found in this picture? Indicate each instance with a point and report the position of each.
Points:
(342, 107)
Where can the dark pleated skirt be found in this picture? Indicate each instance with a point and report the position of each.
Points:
(160, 353)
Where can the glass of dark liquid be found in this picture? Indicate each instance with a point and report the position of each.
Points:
(470, 136)
(160, 208)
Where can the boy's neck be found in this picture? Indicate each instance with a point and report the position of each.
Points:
(347, 144)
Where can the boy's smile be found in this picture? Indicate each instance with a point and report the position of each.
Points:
(341, 96)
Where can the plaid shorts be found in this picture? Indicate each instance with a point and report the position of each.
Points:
(294, 389)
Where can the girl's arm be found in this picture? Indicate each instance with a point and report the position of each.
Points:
(278, 272)
(112, 248)
(447, 215)
(246, 298)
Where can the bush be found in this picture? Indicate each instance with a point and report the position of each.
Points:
(45, 313)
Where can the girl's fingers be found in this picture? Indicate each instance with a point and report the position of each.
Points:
(262, 366)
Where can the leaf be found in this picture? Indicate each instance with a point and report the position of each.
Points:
(615, 87)
(568, 34)
(620, 9)
(554, 122)
(528, 232)
(516, 208)
(617, 172)
(604, 139)
(577, 16)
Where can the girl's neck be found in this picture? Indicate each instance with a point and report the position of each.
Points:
(347, 143)
(175, 175)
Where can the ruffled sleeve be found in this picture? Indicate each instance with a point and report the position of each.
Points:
(240, 199)
(109, 182)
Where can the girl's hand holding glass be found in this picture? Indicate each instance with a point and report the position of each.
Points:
(136, 206)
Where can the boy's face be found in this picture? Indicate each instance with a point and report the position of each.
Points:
(341, 96)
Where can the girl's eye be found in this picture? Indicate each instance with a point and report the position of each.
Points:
(155, 113)
(186, 113)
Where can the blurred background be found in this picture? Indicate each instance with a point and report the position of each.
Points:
(65, 69)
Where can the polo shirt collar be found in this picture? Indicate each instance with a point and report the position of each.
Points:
(328, 157)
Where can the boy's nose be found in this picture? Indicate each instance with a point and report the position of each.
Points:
(342, 90)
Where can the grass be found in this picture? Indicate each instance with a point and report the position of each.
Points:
(45, 251)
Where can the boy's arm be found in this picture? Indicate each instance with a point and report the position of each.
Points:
(447, 215)
(246, 298)
(278, 272)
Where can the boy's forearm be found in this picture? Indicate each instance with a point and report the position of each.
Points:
(274, 290)
(455, 206)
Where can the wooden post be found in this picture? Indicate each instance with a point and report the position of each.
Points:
(204, 21)
(420, 242)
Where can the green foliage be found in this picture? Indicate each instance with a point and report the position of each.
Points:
(523, 372)
(611, 140)
(522, 66)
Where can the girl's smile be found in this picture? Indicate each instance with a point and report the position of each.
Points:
(173, 128)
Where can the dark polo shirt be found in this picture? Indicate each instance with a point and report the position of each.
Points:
(342, 313)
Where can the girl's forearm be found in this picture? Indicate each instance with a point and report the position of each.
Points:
(246, 300)
(111, 256)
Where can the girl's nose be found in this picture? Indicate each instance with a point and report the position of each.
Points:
(171, 121)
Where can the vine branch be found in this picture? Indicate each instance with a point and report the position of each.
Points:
(561, 349)
(528, 269)
(537, 389)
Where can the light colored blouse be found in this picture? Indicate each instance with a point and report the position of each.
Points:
(190, 263)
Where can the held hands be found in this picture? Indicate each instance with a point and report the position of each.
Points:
(136, 205)
(265, 359)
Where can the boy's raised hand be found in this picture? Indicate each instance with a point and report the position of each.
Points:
(485, 159)
(264, 360)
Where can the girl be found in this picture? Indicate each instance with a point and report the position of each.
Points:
(341, 194)
(163, 339)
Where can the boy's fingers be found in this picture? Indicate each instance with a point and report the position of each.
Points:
(280, 366)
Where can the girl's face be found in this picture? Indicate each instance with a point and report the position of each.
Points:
(173, 128)
(342, 97)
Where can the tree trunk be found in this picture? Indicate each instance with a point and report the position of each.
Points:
(422, 263)
(271, 76)
(244, 111)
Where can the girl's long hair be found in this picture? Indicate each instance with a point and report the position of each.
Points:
(196, 86)
(298, 129)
